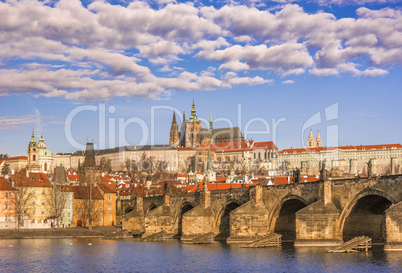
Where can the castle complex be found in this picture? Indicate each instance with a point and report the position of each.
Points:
(227, 150)
(192, 134)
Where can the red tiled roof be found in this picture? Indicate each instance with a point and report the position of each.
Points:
(220, 178)
(264, 145)
(358, 148)
(73, 177)
(4, 186)
(282, 180)
(34, 180)
(82, 192)
(182, 175)
(185, 148)
(17, 157)
(107, 188)
(233, 146)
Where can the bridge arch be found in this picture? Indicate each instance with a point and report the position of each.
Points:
(150, 207)
(184, 207)
(283, 217)
(364, 215)
(222, 218)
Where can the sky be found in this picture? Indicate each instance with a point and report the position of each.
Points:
(113, 72)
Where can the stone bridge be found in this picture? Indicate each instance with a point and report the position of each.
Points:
(314, 213)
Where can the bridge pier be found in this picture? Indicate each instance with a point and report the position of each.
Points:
(316, 224)
(199, 220)
(249, 222)
(160, 219)
(134, 220)
(393, 227)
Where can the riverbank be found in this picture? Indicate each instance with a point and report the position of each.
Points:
(78, 232)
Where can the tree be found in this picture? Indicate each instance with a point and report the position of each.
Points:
(106, 164)
(22, 202)
(57, 202)
(6, 169)
(89, 207)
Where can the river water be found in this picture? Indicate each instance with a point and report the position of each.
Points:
(97, 255)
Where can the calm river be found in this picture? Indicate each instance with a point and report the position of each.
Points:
(75, 255)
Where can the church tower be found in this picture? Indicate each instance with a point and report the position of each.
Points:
(33, 153)
(318, 140)
(182, 137)
(193, 126)
(311, 140)
(174, 132)
(89, 174)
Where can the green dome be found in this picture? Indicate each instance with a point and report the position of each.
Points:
(44, 152)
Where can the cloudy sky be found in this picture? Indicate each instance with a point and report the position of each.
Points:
(115, 70)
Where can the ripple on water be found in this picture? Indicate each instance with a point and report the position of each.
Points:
(75, 255)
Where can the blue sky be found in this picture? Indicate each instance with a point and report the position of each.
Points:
(267, 62)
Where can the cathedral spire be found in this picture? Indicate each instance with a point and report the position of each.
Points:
(193, 117)
(318, 141)
(311, 141)
(174, 138)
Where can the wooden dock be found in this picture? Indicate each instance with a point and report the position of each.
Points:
(207, 238)
(272, 240)
(160, 236)
(356, 244)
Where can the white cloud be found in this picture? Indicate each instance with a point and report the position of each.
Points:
(7, 123)
(108, 50)
(288, 82)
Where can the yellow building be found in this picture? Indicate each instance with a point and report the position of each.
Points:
(109, 204)
(35, 200)
(88, 204)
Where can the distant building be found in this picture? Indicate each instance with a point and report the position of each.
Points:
(192, 134)
(342, 160)
(7, 205)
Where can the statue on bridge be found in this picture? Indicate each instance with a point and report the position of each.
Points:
(296, 176)
(323, 171)
(369, 169)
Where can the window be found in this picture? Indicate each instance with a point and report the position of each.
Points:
(79, 202)
(101, 209)
(110, 207)
(110, 197)
(6, 194)
(33, 202)
(101, 202)
(110, 217)
(79, 210)
(43, 212)
(43, 191)
(25, 211)
(25, 191)
(34, 212)
(101, 220)
(34, 191)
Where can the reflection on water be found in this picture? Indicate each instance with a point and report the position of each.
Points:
(75, 255)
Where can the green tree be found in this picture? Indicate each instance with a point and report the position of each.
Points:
(6, 169)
